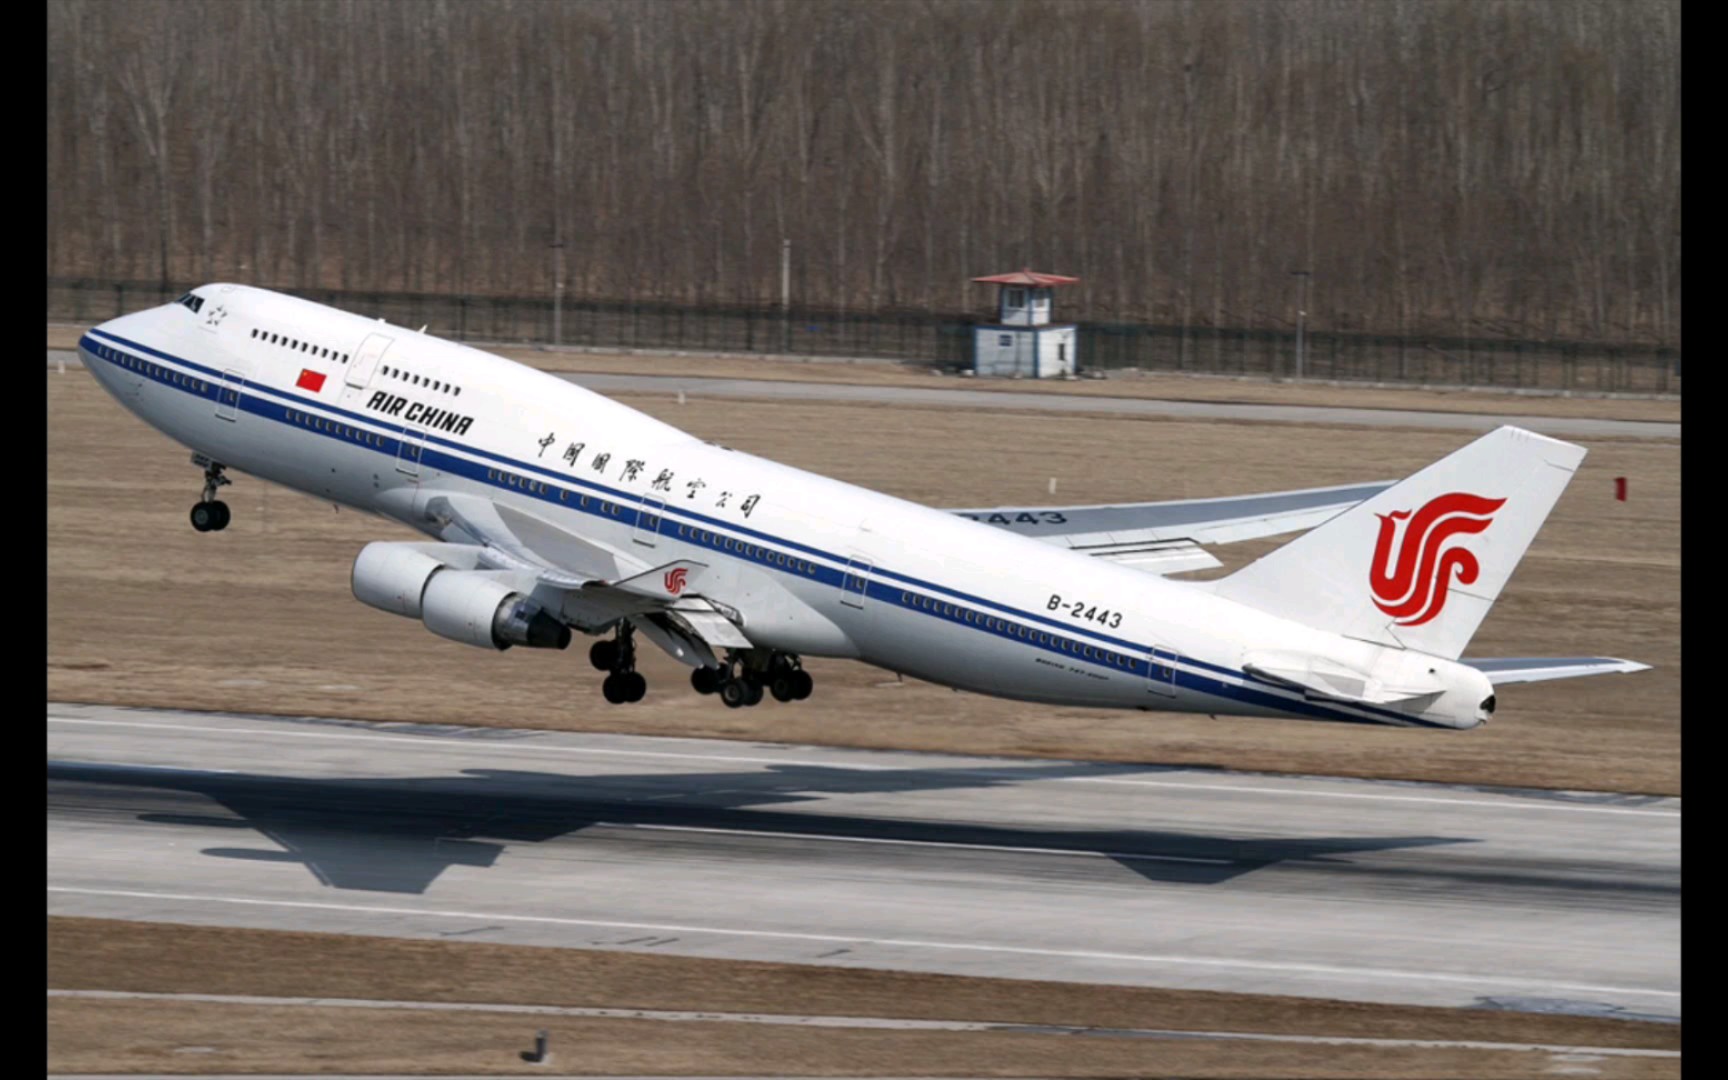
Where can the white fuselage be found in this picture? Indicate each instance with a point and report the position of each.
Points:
(812, 565)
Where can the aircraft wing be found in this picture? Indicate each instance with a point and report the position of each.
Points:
(1541, 668)
(599, 583)
(512, 540)
(1166, 537)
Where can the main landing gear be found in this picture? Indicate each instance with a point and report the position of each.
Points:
(210, 514)
(748, 674)
(618, 656)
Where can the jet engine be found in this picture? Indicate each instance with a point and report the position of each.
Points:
(454, 601)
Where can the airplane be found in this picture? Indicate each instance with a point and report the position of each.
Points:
(548, 508)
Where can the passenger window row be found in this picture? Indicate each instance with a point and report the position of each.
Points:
(319, 423)
(523, 483)
(421, 380)
(1016, 630)
(154, 371)
(296, 345)
(748, 550)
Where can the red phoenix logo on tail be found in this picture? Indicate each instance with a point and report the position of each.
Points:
(1414, 589)
(675, 580)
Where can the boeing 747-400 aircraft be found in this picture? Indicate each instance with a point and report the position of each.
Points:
(550, 508)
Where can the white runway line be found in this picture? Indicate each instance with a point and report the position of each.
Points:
(871, 1022)
(1385, 974)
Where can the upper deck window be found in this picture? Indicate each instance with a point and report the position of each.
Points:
(192, 301)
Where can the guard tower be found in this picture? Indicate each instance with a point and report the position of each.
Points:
(1022, 342)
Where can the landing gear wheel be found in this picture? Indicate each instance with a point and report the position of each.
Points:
(802, 684)
(603, 654)
(705, 680)
(752, 693)
(733, 693)
(613, 690)
(782, 687)
(635, 686)
(210, 516)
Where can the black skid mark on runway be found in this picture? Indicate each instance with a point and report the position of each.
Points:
(398, 835)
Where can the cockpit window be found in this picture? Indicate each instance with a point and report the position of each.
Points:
(192, 301)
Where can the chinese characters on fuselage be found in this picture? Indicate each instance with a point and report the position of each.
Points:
(634, 467)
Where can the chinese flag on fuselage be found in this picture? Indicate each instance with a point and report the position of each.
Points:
(310, 380)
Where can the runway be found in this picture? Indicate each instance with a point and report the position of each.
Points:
(1132, 875)
(1021, 401)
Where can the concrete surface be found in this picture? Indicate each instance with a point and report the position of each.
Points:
(1135, 875)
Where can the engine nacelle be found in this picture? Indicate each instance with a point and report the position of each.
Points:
(479, 610)
(438, 584)
(391, 577)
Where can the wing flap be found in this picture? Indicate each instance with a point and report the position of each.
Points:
(711, 626)
(1154, 557)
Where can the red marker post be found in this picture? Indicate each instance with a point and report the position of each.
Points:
(1620, 488)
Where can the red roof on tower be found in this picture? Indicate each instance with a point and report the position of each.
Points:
(1026, 277)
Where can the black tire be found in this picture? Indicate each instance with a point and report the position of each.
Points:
(802, 684)
(752, 693)
(781, 686)
(613, 690)
(733, 693)
(705, 680)
(203, 518)
(223, 515)
(603, 654)
(635, 686)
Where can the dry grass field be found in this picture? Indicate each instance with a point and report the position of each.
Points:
(170, 1036)
(144, 611)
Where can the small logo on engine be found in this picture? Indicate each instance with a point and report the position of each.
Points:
(675, 580)
(1414, 590)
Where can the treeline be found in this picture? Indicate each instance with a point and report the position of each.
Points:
(1455, 166)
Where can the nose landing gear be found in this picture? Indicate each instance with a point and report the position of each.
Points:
(210, 514)
(618, 656)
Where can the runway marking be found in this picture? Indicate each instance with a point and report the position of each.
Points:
(908, 943)
(876, 1022)
(540, 750)
(1120, 856)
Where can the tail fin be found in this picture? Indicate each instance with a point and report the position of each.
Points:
(1419, 564)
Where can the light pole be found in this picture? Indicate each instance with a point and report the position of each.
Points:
(556, 247)
(1301, 316)
(785, 294)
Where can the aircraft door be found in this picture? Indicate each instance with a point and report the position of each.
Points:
(366, 359)
(648, 519)
(228, 395)
(1162, 677)
(409, 451)
(855, 581)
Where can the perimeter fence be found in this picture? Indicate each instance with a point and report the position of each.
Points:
(946, 340)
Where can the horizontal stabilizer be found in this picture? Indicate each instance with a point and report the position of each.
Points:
(1542, 668)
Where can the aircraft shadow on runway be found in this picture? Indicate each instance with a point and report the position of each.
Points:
(398, 835)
